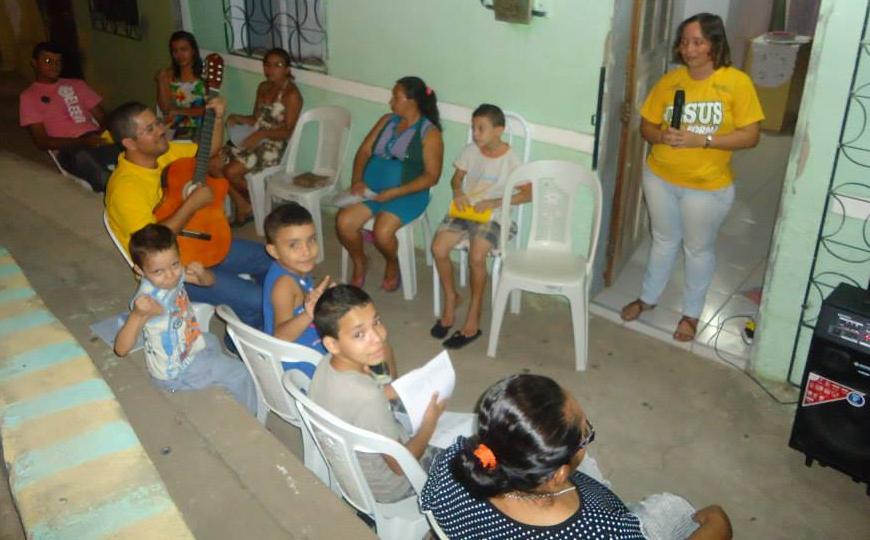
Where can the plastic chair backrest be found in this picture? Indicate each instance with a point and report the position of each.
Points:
(339, 443)
(333, 136)
(556, 186)
(262, 355)
(115, 241)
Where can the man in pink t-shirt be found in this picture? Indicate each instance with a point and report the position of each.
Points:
(65, 115)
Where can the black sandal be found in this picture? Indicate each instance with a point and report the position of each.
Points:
(439, 331)
(459, 340)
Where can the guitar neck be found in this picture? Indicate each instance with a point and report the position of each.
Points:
(205, 134)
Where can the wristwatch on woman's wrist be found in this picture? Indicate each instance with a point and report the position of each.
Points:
(708, 140)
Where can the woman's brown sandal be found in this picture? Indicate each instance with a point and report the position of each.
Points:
(686, 323)
(632, 310)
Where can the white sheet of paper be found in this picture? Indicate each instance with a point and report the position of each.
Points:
(346, 198)
(239, 132)
(450, 426)
(416, 387)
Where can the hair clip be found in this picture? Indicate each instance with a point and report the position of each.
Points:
(485, 456)
(428, 91)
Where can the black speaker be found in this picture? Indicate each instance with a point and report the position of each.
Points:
(832, 422)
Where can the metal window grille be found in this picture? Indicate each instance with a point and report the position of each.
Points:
(252, 27)
(119, 17)
(842, 251)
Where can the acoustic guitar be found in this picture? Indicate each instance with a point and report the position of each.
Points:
(206, 237)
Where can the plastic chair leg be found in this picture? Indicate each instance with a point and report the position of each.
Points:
(498, 307)
(345, 263)
(318, 227)
(580, 325)
(436, 291)
(407, 262)
(257, 191)
(463, 268)
(427, 238)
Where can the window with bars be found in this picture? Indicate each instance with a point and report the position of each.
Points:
(252, 27)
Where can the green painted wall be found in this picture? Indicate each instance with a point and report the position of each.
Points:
(804, 192)
(547, 71)
(120, 68)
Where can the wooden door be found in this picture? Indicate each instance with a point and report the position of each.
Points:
(649, 53)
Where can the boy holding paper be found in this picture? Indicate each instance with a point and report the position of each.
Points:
(343, 384)
(478, 186)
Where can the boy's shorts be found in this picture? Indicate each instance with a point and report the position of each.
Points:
(470, 230)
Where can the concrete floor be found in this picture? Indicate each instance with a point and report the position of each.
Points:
(666, 420)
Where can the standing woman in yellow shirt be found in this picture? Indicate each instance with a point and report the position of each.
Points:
(687, 180)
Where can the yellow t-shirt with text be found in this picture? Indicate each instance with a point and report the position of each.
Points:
(133, 192)
(717, 105)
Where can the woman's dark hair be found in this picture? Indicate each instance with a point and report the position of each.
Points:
(523, 421)
(713, 31)
(427, 102)
(285, 57)
(197, 60)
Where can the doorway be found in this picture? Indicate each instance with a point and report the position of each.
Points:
(744, 240)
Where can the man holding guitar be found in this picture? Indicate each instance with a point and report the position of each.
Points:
(135, 193)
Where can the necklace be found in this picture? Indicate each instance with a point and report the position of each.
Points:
(538, 496)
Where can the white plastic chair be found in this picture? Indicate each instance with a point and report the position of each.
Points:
(547, 264)
(406, 253)
(202, 312)
(262, 355)
(339, 443)
(276, 183)
(515, 127)
(80, 181)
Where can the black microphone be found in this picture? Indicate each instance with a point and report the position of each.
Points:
(677, 115)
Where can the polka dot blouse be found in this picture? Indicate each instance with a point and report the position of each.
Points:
(601, 514)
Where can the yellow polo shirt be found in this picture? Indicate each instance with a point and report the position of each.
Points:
(718, 105)
(133, 192)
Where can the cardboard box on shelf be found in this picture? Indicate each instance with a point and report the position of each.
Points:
(777, 64)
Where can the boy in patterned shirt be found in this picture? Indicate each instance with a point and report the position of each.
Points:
(179, 355)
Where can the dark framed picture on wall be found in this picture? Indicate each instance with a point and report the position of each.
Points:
(119, 17)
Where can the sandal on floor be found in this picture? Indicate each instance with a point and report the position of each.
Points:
(459, 340)
(439, 331)
(690, 323)
(632, 310)
(390, 285)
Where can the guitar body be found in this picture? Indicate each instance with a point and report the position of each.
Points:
(209, 219)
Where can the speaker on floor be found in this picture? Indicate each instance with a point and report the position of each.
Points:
(832, 422)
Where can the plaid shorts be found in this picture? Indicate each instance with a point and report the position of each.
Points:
(469, 230)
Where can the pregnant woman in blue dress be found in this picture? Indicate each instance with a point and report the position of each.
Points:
(399, 160)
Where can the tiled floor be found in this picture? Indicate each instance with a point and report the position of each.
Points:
(741, 262)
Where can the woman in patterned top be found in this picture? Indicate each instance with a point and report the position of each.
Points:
(276, 110)
(517, 478)
(180, 90)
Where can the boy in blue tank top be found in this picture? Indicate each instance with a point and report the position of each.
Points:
(289, 293)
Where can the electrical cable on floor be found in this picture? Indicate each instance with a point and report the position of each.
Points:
(737, 367)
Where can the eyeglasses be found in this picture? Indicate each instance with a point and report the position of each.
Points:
(274, 64)
(49, 60)
(586, 439)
